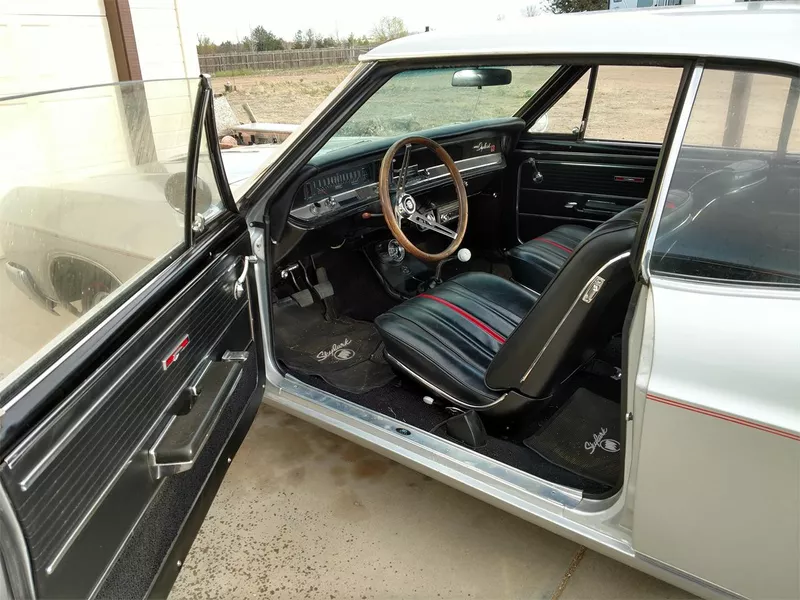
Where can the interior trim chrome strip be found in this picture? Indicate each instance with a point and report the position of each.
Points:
(669, 169)
(571, 308)
(436, 389)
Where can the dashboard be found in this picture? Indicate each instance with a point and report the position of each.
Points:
(351, 186)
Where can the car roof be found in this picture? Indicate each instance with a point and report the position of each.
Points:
(768, 31)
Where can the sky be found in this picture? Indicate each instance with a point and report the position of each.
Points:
(229, 19)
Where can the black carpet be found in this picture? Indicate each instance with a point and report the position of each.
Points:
(583, 438)
(344, 352)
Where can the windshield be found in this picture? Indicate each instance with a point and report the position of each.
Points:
(421, 99)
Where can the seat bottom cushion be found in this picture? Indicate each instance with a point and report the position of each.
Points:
(447, 337)
(535, 263)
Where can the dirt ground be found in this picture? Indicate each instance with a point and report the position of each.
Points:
(282, 96)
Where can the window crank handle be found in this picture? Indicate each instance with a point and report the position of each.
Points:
(238, 287)
(537, 174)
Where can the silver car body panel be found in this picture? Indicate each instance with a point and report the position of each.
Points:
(718, 480)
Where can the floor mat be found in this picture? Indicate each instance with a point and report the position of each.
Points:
(346, 353)
(583, 437)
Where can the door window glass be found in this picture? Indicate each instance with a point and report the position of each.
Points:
(733, 210)
(91, 198)
(632, 103)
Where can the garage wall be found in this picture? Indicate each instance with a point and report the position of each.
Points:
(55, 44)
(166, 44)
(52, 44)
(164, 39)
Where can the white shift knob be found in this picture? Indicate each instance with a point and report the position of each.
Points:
(464, 255)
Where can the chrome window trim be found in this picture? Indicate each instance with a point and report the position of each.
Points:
(438, 390)
(669, 168)
(571, 308)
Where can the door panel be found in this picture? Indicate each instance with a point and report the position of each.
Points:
(83, 482)
(582, 182)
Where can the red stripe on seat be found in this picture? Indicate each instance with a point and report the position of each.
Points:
(467, 316)
(556, 244)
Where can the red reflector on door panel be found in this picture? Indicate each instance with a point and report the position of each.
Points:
(628, 179)
(173, 356)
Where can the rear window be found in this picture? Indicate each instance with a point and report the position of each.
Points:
(733, 211)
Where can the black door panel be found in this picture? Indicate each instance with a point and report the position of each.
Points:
(586, 183)
(85, 481)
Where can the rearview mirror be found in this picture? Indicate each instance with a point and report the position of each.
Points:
(481, 77)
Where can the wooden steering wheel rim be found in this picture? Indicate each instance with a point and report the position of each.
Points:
(385, 178)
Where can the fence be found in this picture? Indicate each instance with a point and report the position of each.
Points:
(280, 59)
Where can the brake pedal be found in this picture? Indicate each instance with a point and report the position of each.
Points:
(303, 298)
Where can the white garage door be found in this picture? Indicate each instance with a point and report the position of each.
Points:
(52, 44)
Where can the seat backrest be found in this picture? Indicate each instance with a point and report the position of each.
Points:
(572, 309)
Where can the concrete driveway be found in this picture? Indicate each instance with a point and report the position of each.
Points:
(303, 513)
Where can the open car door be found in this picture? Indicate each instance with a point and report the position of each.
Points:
(131, 347)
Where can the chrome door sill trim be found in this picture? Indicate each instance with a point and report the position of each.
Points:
(368, 426)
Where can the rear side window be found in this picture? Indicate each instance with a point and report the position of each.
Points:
(733, 210)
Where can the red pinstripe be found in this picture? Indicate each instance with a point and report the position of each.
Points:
(729, 418)
(556, 244)
(467, 316)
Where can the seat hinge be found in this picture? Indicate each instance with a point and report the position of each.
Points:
(594, 287)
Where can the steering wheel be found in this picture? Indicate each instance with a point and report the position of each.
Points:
(402, 205)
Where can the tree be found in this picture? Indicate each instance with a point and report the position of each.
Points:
(227, 47)
(265, 40)
(388, 28)
(297, 44)
(205, 45)
(311, 38)
(531, 11)
(566, 6)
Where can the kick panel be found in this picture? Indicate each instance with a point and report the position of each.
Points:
(83, 478)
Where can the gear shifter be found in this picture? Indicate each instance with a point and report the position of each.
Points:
(463, 255)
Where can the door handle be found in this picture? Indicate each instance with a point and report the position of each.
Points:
(238, 287)
(186, 433)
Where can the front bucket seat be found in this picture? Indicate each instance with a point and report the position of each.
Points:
(490, 344)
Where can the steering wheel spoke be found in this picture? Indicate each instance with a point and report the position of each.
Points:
(431, 225)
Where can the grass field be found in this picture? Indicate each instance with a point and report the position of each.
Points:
(630, 103)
